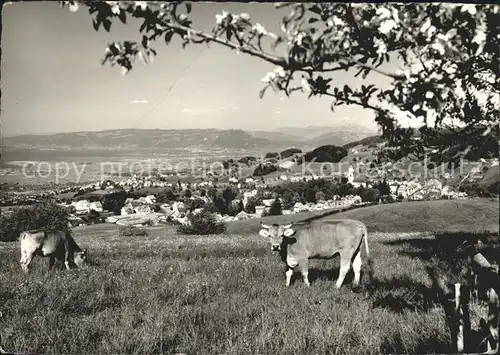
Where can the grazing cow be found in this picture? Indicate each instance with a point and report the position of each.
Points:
(53, 244)
(319, 240)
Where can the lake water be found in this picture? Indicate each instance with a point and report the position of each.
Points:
(30, 166)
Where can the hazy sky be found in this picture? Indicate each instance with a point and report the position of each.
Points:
(52, 79)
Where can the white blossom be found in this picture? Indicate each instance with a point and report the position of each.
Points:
(480, 37)
(220, 18)
(142, 4)
(124, 71)
(115, 9)
(395, 15)
(269, 77)
(245, 16)
(438, 47)
(451, 69)
(299, 38)
(73, 6)
(259, 29)
(431, 31)
(338, 21)
(381, 46)
(471, 9)
(443, 37)
(383, 13)
(387, 26)
(305, 85)
(429, 95)
(425, 26)
(280, 71)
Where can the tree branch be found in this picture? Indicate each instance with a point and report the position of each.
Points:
(354, 102)
(245, 48)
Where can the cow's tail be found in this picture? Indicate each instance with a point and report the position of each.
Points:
(368, 259)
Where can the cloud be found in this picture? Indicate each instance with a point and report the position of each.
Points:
(236, 108)
(139, 101)
(199, 111)
(277, 112)
(282, 99)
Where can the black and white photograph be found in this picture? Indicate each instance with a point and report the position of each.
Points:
(249, 177)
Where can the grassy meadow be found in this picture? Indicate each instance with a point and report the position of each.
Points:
(225, 294)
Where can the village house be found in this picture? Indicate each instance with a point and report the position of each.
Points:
(96, 206)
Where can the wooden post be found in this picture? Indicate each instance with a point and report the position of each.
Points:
(461, 318)
(456, 307)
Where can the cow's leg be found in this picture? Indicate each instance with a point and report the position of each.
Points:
(345, 265)
(288, 274)
(66, 254)
(356, 267)
(26, 261)
(304, 268)
(51, 262)
(291, 263)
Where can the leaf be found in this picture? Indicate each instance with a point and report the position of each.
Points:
(143, 26)
(275, 86)
(107, 24)
(145, 41)
(347, 90)
(277, 42)
(96, 23)
(188, 7)
(315, 9)
(168, 36)
(365, 73)
(359, 72)
(261, 92)
(313, 20)
(123, 17)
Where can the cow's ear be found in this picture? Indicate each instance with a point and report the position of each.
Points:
(264, 233)
(288, 232)
(287, 226)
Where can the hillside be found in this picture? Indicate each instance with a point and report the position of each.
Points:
(404, 217)
(181, 138)
(491, 179)
(337, 126)
(430, 216)
(140, 139)
(370, 141)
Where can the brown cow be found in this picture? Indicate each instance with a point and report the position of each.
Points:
(53, 244)
(319, 240)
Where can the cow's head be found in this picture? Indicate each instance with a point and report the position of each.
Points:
(275, 233)
(80, 257)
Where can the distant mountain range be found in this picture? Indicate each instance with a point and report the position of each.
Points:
(281, 138)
